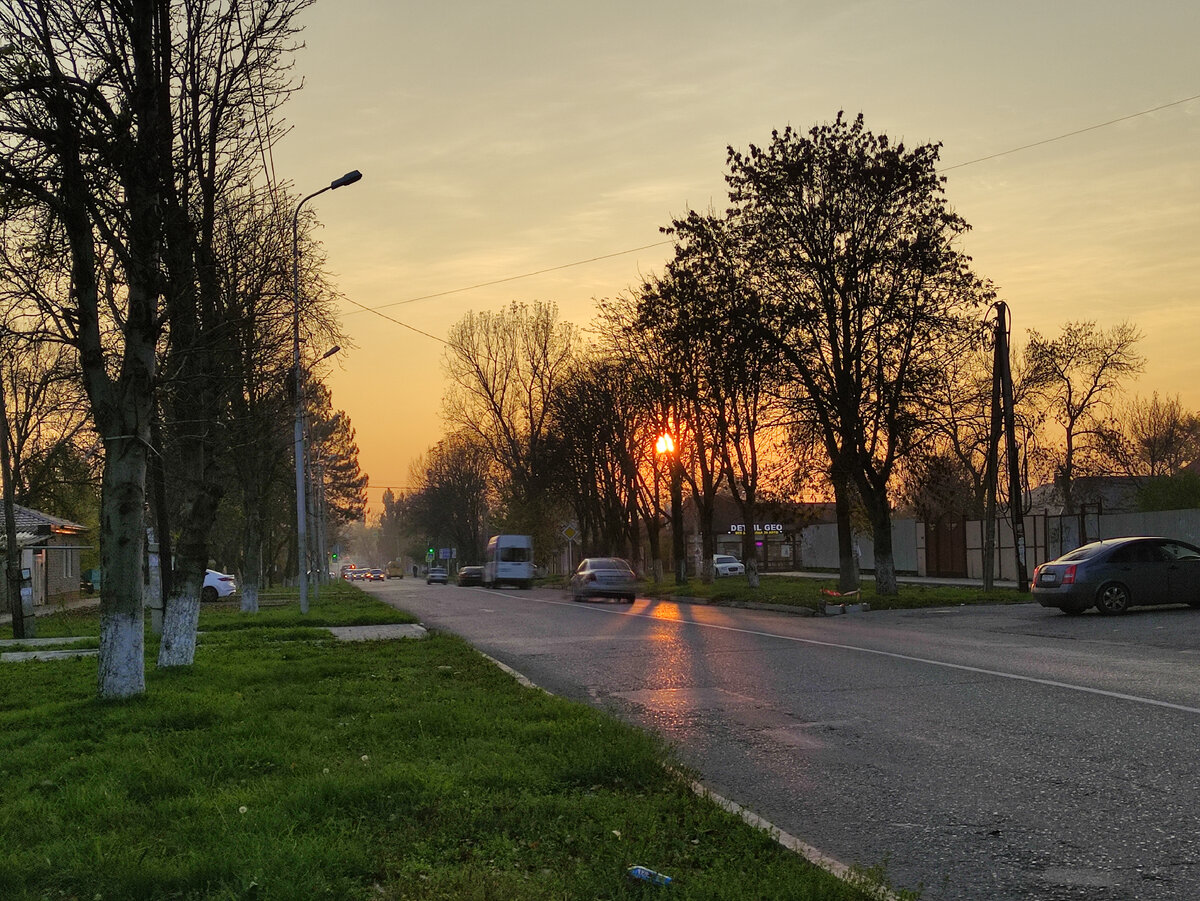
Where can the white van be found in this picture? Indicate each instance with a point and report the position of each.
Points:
(509, 561)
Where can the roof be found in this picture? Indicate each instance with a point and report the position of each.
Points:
(43, 523)
(34, 526)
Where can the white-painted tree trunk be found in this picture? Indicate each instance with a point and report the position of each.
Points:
(122, 672)
(178, 646)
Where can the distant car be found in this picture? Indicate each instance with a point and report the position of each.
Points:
(470, 575)
(217, 585)
(377, 575)
(725, 565)
(1118, 573)
(436, 574)
(358, 575)
(603, 577)
(394, 570)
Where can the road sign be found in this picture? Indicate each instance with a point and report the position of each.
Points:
(570, 533)
(444, 553)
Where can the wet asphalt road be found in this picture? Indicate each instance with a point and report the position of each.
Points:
(985, 753)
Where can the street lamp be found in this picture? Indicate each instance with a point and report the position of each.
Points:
(298, 432)
(666, 445)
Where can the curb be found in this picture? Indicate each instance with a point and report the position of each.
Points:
(814, 856)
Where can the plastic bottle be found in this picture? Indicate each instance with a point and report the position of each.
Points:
(647, 875)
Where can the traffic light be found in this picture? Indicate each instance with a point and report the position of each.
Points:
(335, 555)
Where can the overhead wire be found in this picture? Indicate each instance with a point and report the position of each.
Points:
(982, 159)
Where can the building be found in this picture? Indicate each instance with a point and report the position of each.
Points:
(50, 555)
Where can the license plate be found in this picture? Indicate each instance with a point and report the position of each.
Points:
(1049, 578)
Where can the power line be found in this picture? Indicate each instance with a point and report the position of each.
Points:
(607, 256)
(1071, 134)
(513, 278)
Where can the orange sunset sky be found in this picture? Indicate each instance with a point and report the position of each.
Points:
(502, 139)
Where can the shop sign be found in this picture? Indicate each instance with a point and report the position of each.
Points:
(769, 528)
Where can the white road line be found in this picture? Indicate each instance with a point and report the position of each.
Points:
(999, 674)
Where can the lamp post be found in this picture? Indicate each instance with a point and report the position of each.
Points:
(666, 445)
(315, 469)
(298, 432)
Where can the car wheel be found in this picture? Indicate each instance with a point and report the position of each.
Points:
(208, 593)
(629, 598)
(1112, 598)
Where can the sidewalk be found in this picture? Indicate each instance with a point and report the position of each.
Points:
(906, 580)
(50, 609)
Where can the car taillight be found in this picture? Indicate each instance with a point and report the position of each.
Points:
(1069, 575)
(225, 579)
(1037, 569)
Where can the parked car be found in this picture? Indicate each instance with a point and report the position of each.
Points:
(394, 570)
(725, 565)
(217, 585)
(1118, 573)
(470, 575)
(603, 577)
(436, 574)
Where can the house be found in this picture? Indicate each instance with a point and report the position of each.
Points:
(50, 551)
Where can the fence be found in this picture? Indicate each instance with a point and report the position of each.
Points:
(1047, 535)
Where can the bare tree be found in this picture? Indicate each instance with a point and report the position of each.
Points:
(504, 368)
(1153, 436)
(1077, 377)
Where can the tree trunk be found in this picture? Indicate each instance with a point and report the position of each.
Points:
(848, 576)
(122, 665)
(178, 646)
(885, 562)
(252, 543)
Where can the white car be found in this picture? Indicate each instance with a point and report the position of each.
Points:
(217, 585)
(725, 565)
(437, 574)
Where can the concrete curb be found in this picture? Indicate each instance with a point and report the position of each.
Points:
(379, 633)
(813, 855)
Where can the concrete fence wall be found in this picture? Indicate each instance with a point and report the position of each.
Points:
(1046, 536)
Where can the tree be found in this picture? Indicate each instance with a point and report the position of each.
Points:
(1077, 376)
(866, 294)
(85, 127)
(597, 411)
(450, 504)
(1153, 437)
(504, 368)
(735, 364)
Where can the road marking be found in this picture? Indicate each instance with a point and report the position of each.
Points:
(1016, 677)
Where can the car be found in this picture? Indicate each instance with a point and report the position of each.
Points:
(217, 585)
(436, 574)
(1118, 573)
(394, 570)
(358, 575)
(725, 565)
(603, 577)
(470, 575)
(377, 575)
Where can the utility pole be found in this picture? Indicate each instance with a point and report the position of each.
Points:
(1004, 417)
(1015, 494)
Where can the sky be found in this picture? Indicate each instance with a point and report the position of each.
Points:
(499, 140)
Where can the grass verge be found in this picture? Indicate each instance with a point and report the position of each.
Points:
(790, 591)
(285, 765)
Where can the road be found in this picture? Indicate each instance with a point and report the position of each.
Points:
(985, 753)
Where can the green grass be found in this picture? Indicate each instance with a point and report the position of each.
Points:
(803, 592)
(285, 765)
